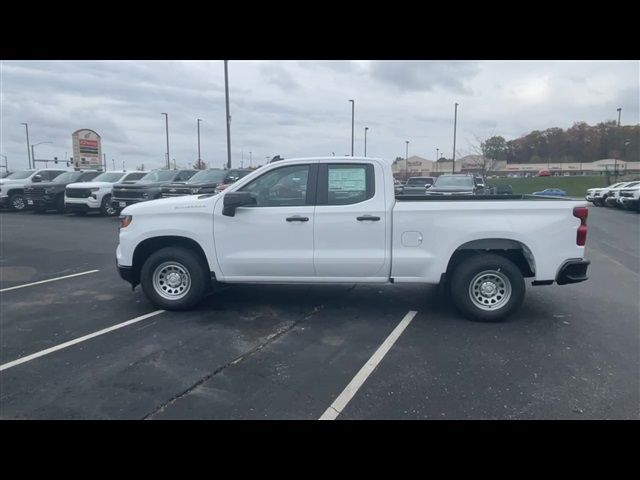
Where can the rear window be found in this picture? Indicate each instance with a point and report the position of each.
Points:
(454, 182)
(420, 181)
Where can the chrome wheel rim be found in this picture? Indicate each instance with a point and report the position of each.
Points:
(490, 290)
(171, 280)
(109, 209)
(18, 202)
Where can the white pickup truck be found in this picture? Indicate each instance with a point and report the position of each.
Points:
(338, 220)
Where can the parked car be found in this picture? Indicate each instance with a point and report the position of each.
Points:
(504, 190)
(544, 173)
(599, 195)
(629, 198)
(96, 195)
(456, 184)
(235, 175)
(50, 195)
(262, 230)
(551, 192)
(148, 187)
(613, 194)
(12, 186)
(205, 181)
(417, 185)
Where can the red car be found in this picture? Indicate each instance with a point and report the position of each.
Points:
(544, 173)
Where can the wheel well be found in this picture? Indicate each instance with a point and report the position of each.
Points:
(151, 245)
(512, 250)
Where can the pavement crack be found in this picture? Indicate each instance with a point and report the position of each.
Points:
(268, 340)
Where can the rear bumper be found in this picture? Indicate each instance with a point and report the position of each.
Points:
(572, 271)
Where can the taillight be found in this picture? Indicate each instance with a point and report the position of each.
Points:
(582, 213)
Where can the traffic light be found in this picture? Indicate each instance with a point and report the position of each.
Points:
(55, 159)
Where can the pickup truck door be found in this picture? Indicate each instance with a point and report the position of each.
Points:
(350, 224)
(274, 239)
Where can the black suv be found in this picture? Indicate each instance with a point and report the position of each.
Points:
(456, 184)
(148, 187)
(43, 196)
(205, 181)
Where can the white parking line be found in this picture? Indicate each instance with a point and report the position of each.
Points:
(77, 340)
(46, 281)
(350, 390)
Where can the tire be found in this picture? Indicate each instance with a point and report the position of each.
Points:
(17, 202)
(60, 206)
(183, 294)
(503, 283)
(106, 208)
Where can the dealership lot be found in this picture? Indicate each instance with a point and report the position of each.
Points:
(287, 352)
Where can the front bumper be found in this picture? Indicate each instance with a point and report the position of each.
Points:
(81, 204)
(573, 271)
(4, 201)
(40, 203)
(115, 202)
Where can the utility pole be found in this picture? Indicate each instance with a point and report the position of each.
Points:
(250, 162)
(166, 115)
(365, 140)
(26, 126)
(437, 158)
(226, 95)
(406, 162)
(104, 160)
(199, 158)
(353, 110)
(619, 112)
(455, 124)
(113, 163)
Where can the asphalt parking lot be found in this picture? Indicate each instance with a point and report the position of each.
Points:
(288, 352)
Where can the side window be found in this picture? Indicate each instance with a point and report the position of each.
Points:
(349, 184)
(48, 175)
(282, 187)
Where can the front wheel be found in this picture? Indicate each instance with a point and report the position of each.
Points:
(17, 203)
(487, 288)
(106, 208)
(173, 278)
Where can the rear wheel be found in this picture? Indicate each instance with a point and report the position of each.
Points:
(17, 202)
(487, 288)
(173, 278)
(107, 208)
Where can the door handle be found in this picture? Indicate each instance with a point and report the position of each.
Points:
(369, 218)
(297, 219)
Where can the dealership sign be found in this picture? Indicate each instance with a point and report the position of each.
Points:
(87, 149)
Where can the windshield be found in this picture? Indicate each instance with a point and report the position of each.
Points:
(159, 176)
(110, 177)
(420, 181)
(208, 176)
(67, 177)
(454, 182)
(20, 174)
(632, 184)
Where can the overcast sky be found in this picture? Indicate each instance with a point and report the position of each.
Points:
(300, 108)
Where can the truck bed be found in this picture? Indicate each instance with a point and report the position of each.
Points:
(426, 198)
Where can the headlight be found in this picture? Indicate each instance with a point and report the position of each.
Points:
(125, 221)
(49, 190)
(95, 189)
(145, 195)
(195, 190)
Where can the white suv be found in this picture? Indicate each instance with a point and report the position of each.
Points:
(629, 198)
(96, 195)
(12, 186)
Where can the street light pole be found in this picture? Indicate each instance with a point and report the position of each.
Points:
(226, 96)
(365, 140)
(26, 126)
(166, 116)
(353, 110)
(437, 158)
(250, 160)
(33, 155)
(406, 161)
(455, 125)
(199, 159)
(619, 112)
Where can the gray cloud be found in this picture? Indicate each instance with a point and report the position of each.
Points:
(425, 76)
(299, 108)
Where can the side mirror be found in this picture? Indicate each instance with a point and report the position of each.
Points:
(233, 200)
(36, 178)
